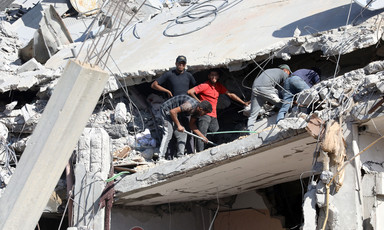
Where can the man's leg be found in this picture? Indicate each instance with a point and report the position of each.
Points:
(287, 100)
(167, 135)
(286, 104)
(181, 139)
(184, 121)
(255, 109)
(297, 84)
(213, 126)
(203, 125)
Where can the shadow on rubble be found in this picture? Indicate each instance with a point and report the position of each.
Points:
(327, 20)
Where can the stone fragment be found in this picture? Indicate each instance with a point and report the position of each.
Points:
(30, 65)
(27, 112)
(307, 97)
(371, 80)
(26, 82)
(121, 113)
(380, 86)
(9, 107)
(111, 86)
(323, 93)
(374, 67)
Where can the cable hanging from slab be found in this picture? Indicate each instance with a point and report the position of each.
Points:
(118, 11)
(196, 13)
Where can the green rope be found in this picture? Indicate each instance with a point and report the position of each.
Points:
(116, 176)
(223, 132)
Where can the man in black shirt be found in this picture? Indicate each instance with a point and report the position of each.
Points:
(178, 80)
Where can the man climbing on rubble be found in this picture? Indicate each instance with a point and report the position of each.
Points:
(177, 82)
(264, 89)
(169, 111)
(292, 86)
(310, 76)
(298, 81)
(210, 91)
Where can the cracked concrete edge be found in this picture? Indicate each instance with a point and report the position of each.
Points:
(193, 163)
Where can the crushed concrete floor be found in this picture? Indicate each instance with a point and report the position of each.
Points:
(128, 110)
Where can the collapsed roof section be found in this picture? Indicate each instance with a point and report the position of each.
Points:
(236, 33)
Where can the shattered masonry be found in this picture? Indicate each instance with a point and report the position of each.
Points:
(127, 123)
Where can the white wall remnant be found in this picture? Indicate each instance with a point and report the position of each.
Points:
(93, 162)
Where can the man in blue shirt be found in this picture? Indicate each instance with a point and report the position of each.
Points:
(299, 80)
(310, 76)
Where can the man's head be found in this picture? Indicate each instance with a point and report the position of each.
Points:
(213, 76)
(203, 108)
(181, 61)
(285, 68)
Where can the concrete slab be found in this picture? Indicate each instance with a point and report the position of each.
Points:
(241, 32)
(256, 161)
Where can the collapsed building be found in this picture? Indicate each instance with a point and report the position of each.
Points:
(321, 170)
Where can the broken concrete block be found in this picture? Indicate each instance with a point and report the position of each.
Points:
(27, 112)
(380, 183)
(371, 80)
(323, 93)
(9, 83)
(26, 81)
(9, 107)
(307, 97)
(337, 92)
(292, 123)
(380, 86)
(374, 67)
(116, 130)
(111, 86)
(3, 131)
(121, 113)
(30, 65)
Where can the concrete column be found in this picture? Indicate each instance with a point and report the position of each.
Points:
(345, 205)
(51, 146)
(93, 161)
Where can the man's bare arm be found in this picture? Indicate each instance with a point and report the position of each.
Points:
(192, 93)
(155, 85)
(236, 98)
(173, 113)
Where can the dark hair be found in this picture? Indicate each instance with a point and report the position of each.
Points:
(206, 106)
(216, 71)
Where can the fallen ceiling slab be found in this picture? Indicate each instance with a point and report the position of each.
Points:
(261, 160)
(237, 34)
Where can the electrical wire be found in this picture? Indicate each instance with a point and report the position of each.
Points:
(196, 12)
(217, 210)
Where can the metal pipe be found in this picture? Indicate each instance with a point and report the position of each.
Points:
(194, 135)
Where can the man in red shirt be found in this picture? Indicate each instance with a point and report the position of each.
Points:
(210, 91)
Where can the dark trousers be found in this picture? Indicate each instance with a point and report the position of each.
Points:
(206, 123)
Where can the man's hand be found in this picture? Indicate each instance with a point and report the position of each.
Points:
(180, 128)
(169, 94)
(205, 140)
